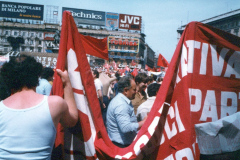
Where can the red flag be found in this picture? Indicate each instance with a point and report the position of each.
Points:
(122, 71)
(127, 68)
(134, 72)
(162, 61)
(106, 66)
(133, 63)
(188, 95)
(114, 65)
(158, 69)
(147, 68)
(95, 47)
(154, 69)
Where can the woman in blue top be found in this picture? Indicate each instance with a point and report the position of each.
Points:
(28, 120)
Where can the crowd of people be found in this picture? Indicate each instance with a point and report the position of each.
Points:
(29, 114)
(125, 101)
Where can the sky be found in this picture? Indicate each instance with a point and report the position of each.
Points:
(161, 18)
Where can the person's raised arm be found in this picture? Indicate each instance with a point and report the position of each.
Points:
(70, 114)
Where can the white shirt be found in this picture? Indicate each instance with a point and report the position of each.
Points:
(98, 86)
(145, 108)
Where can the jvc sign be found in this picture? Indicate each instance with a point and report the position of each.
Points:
(130, 22)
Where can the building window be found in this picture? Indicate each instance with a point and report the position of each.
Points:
(31, 42)
(15, 33)
(4, 40)
(39, 42)
(32, 34)
(236, 31)
(23, 48)
(31, 49)
(39, 49)
(229, 26)
(24, 34)
(5, 49)
(40, 35)
(7, 33)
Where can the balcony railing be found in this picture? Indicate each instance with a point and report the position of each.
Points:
(124, 57)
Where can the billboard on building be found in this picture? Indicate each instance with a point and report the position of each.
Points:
(49, 36)
(112, 20)
(130, 22)
(47, 60)
(89, 17)
(123, 44)
(21, 10)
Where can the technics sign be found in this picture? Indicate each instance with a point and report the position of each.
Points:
(82, 16)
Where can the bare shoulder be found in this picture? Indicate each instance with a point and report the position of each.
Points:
(57, 102)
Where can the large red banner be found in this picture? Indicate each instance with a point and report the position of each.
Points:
(201, 85)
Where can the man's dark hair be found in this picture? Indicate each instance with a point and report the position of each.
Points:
(149, 79)
(22, 71)
(141, 77)
(4, 91)
(160, 79)
(152, 89)
(124, 82)
(47, 73)
(154, 77)
(95, 72)
(117, 75)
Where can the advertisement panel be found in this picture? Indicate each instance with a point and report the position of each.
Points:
(112, 20)
(130, 22)
(123, 44)
(49, 36)
(82, 16)
(21, 10)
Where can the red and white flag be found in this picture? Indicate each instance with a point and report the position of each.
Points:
(78, 142)
(201, 85)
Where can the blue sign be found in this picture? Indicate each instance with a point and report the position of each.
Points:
(112, 20)
(21, 10)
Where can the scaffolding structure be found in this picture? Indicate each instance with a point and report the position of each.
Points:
(51, 14)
